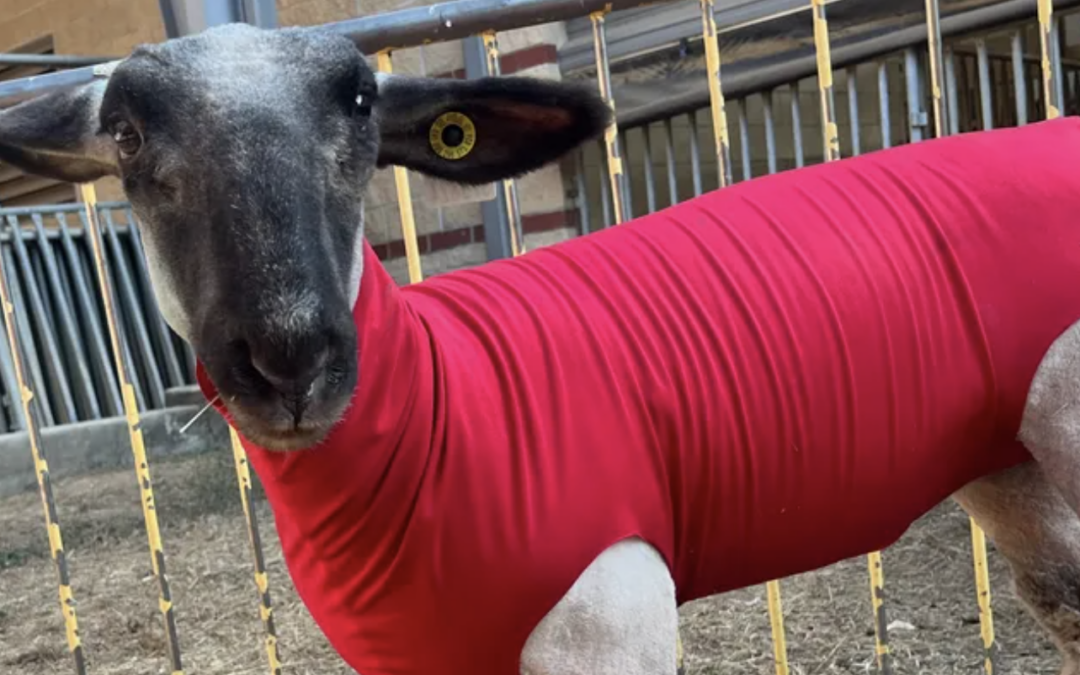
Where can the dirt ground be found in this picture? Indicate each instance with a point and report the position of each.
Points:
(827, 613)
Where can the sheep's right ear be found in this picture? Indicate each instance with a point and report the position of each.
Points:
(58, 136)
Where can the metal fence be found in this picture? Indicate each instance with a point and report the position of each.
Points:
(991, 80)
(50, 269)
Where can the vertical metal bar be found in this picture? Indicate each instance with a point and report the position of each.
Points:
(41, 282)
(16, 416)
(832, 149)
(977, 537)
(129, 307)
(404, 197)
(796, 125)
(881, 623)
(985, 88)
(680, 662)
(262, 582)
(136, 382)
(716, 93)
(770, 130)
(982, 585)
(86, 402)
(883, 99)
(1034, 85)
(776, 622)
(831, 136)
(1070, 89)
(669, 158)
(650, 176)
(744, 141)
(509, 186)
(1019, 78)
(66, 283)
(628, 177)
(41, 471)
(583, 193)
(611, 135)
(153, 312)
(605, 188)
(26, 338)
(695, 153)
(916, 115)
(1055, 62)
(853, 108)
(131, 411)
(937, 100)
(951, 91)
(1047, 44)
(60, 394)
(108, 392)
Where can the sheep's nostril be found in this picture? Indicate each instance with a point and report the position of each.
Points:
(294, 379)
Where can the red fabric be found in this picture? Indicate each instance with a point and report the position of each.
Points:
(761, 381)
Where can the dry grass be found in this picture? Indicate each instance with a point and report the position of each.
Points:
(928, 575)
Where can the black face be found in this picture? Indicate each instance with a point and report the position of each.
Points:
(245, 155)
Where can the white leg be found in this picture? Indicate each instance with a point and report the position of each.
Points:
(619, 618)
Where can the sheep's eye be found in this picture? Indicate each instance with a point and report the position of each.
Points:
(363, 105)
(127, 139)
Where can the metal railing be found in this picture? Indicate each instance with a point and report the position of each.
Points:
(53, 286)
(881, 102)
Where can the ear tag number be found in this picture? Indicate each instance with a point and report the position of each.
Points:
(452, 136)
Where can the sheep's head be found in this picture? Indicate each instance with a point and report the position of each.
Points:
(245, 154)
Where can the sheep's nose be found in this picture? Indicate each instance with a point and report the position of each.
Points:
(294, 373)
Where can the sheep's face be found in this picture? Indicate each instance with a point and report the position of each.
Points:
(245, 155)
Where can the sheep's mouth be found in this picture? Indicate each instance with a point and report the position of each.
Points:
(262, 419)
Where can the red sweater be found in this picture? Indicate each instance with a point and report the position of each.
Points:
(759, 382)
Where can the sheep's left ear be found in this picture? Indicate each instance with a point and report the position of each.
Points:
(58, 135)
(483, 130)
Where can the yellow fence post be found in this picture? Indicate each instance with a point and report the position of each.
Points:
(41, 469)
(262, 581)
(138, 449)
(937, 68)
(941, 126)
(831, 142)
(716, 92)
(877, 602)
(611, 135)
(776, 621)
(404, 197)
(1047, 42)
(831, 135)
(509, 186)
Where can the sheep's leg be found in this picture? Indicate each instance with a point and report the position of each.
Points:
(1030, 524)
(619, 618)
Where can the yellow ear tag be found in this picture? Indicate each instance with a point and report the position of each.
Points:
(452, 136)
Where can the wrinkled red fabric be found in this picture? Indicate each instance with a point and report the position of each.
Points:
(759, 382)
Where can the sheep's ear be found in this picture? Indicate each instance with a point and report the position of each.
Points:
(483, 130)
(58, 135)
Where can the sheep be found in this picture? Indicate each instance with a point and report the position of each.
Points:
(528, 465)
